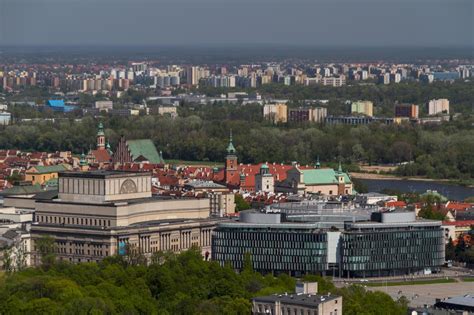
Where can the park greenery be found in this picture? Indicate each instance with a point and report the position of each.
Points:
(172, 284)
(200, 133)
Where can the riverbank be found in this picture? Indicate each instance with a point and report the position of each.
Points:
(359, 175)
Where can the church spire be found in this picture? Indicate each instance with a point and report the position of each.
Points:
(340, 167)
(318, 164)
(230, 147)
(100, 137)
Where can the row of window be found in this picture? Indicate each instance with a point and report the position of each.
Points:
(397, 257)
(391, 249)
(351, 244)
(72, 220)
(270, 235)
(411, 234)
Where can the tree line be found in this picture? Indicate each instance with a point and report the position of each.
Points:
(201, 134)
(172, 284)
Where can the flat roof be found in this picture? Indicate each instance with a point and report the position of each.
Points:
(463, 300)
(118, 203)
(310, 300)
(282, 225)
(102, 174)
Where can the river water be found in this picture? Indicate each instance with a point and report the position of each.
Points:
(452, 192)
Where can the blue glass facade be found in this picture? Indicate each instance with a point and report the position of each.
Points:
(273, 250)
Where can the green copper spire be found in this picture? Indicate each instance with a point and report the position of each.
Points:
(318, 164)
(340, 167)
(230, 147)
(82, 161)
(100, 131)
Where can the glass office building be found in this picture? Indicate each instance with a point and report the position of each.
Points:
(390, 243)
(275, 247)
(378, 249)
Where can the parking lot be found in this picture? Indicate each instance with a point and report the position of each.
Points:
(419, 295)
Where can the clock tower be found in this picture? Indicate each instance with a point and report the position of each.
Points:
(231, 164)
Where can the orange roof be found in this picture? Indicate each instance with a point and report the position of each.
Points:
(101, 156)
(459, 206)
(396, 204)
(459, 223)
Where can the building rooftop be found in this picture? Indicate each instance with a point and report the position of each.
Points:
(144, 148)
(464, 302)
(102, 174)
(309, 300)
(48, 169)
(204, 184)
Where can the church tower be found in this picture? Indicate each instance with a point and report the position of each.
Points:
(231, 164)
(264, 181)
(100, 137)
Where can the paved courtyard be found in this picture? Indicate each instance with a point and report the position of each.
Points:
(418, 295)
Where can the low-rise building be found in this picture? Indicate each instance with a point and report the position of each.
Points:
(305, 300)
(40, 174)
(324, 181)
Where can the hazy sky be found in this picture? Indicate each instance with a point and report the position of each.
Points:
(291, 22)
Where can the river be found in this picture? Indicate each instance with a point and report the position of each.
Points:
(452, 192)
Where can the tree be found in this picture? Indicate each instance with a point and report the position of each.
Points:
(7, 260)
(47, 249)
(241, 203)
(134, 256)
(450, 250)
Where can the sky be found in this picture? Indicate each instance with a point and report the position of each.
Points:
(321, 23)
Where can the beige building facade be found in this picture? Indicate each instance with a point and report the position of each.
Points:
(277, 113)
(96, 214)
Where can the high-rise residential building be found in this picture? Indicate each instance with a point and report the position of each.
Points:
(384, 78)
(319, 114)
(334, 81)
(364, 75)
(193, 74)
(278, 113)
(406, 110)
(300, 114)
(438, 106)
(363, 107)
(395, 77)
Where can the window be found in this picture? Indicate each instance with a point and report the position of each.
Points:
(330, 192)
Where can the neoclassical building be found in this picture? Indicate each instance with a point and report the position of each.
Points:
(96, 214)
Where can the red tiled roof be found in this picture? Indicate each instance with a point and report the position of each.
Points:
(459, 206)
(396, 204)
(459, 223)
(101, 156)
(250, 170)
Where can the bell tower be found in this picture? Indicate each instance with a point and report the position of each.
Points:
(231, 163)
(100, 137)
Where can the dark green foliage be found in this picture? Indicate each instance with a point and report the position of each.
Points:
(179, 284)
(240, 203)
(201, 133)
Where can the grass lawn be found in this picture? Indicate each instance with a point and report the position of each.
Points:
(468, 279)
(206, 163)
(415, 282)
